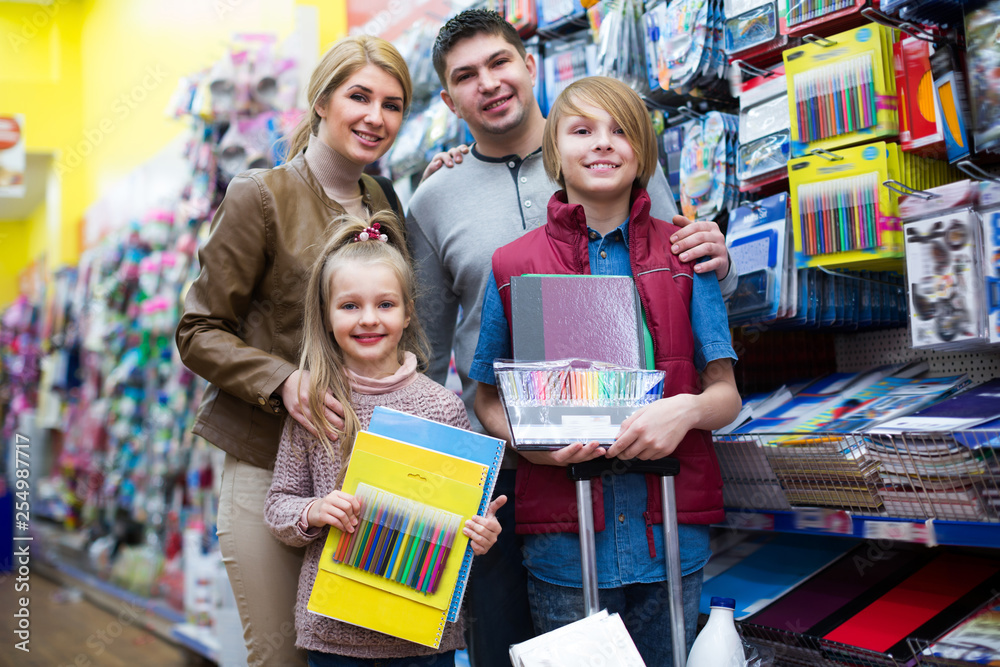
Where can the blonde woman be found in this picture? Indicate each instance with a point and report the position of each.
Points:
(242, 321)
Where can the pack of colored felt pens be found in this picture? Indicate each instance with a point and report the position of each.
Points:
(844, 210)
(798, 17)
(842, 90)
(550, 404)
(399, 539)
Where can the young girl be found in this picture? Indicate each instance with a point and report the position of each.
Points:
(362, 344)
(600, 147)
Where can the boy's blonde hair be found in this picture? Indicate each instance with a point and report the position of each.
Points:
(341, 62)
(622, 103)
(321, 355)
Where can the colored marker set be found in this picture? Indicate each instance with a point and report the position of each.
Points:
(550, 404)
(399, 539)
(843, 211)
(842, 90)
(840, 215)
(836, 99)
(802, 11)
(592, 387)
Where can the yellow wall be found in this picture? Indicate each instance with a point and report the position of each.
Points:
(41, 77)
(93, 78)
(22, 242)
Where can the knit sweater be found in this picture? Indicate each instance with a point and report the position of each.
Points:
(304, 472)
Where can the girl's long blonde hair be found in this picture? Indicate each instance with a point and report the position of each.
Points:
(339, 64)
(321, 355)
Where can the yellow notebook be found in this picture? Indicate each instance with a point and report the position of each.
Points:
(368, 600)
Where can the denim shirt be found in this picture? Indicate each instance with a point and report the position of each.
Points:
(622, 547)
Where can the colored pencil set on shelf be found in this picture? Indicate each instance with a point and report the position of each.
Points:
(596, 387)
(399, 539)
(835, 99)
(840, 215)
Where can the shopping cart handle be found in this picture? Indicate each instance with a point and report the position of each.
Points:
(667, 467)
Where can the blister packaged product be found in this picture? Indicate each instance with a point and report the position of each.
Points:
(752, 28)
(944, 273)
(989, 206)
(756, 239)
(551, 404)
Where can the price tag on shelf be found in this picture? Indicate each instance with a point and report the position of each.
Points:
(824, 520)
(900, 531)
(749, 520)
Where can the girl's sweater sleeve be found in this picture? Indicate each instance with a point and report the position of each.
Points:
(292, 486)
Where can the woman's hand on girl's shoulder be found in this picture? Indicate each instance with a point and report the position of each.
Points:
(338, 509)
(295, 396)
(483, 531)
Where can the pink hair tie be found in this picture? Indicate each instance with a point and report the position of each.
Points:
(372, 233)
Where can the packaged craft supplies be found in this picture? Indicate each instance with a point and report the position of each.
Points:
(551, 404)
(842, 90)
(944, 267)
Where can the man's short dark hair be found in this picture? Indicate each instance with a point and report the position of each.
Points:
(470, 23)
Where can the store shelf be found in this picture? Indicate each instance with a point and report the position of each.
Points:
(155, 615)
(197, 639)
(825, 521)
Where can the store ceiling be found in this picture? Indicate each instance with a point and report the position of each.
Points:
(36, 178)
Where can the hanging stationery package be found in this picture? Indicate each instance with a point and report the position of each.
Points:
(708, 174)
(756, 239)
(941, 13)
(920, 129)
(564, 63)
(950, 102)
(751, 27)
(686, 43)
(620, 44)
(982, 34)
(764, 131)
(841, 90)
(799, 17)
(944, 273)
(844, 214)
(551, 404)
(989, 211)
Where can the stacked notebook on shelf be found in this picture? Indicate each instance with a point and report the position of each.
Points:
(403, 571)
(929, 470)
(809, 442)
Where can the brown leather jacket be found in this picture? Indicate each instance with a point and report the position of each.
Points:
(242, 321)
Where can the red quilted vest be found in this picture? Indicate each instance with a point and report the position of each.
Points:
(545, 498)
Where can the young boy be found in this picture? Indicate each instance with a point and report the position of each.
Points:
(599, 146)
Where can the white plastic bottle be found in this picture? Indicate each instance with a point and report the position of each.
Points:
(718, 644)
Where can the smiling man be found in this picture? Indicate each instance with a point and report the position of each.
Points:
(457, 218)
